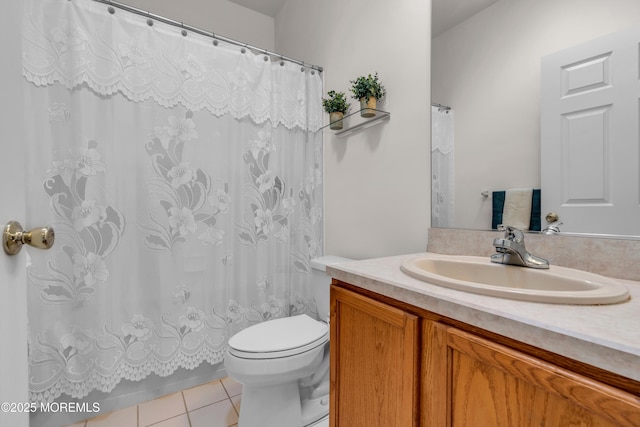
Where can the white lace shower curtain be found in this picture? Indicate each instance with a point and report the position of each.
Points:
(442, 168)
(183, 181)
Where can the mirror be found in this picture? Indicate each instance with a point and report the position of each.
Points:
(485, 65)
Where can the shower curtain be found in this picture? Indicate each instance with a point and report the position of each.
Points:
(442, 168)
(183, 181)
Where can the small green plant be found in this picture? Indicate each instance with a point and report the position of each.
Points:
(365, 87)
(336, 102)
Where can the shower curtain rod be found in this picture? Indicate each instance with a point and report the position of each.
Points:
(442, 107)
(214, 36)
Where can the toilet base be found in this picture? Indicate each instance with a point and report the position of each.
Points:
(278, 406)
(314, 410)
(324, 422)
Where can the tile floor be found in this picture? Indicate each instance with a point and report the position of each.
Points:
(215, 404)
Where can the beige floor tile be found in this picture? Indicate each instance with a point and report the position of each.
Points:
(160, 409)
(204, 395)
(235, 401)
(179, 421)
(219, 414)
(233, 388)
(127, 417)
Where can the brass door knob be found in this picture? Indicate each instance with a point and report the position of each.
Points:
(552, 217)
(14, 237)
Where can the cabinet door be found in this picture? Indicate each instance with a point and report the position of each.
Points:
(374, 363)
(469, 381)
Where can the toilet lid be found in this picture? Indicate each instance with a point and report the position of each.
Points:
(280, 335)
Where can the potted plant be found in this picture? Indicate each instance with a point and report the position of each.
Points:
(367, 90)
(336, 105)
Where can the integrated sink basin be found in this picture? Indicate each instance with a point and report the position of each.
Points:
(479, 275)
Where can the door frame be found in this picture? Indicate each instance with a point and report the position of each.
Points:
(14, 383)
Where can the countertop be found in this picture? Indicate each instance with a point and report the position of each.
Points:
(605, 336)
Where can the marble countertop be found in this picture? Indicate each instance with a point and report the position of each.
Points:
(605, 336)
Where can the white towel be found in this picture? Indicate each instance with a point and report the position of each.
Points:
(517, 208)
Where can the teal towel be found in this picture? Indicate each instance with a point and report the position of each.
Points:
(498, 207)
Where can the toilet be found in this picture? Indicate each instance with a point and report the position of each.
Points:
(283, 364)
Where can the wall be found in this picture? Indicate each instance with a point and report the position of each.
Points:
(217, 16)
(377, 181)
(488, 69)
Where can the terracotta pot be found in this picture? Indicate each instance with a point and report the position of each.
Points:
(335, 120)
(368, 106)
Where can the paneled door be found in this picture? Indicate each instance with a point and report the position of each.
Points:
(589, 135)
(13, 292)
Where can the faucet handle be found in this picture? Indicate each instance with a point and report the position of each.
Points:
(552, 228)
(514, 234)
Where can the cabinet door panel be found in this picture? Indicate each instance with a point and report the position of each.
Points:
(374, 355)
(491, 385)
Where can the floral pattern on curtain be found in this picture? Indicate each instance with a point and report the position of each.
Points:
(184, 182)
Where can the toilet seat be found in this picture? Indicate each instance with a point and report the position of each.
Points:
(279, 338)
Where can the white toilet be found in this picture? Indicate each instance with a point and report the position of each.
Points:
(283, 364)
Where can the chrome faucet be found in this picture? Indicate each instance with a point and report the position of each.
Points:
(511, 250)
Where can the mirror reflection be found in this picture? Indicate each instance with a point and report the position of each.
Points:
(486, 59)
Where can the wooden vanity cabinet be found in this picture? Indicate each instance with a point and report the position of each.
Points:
(470, 381)
(374, 363)
(395, 366)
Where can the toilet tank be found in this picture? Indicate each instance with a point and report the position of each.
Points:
(320, 282)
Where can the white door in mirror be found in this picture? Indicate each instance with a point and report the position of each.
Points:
(590, 161)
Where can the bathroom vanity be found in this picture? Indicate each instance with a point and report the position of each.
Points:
(408, 353)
